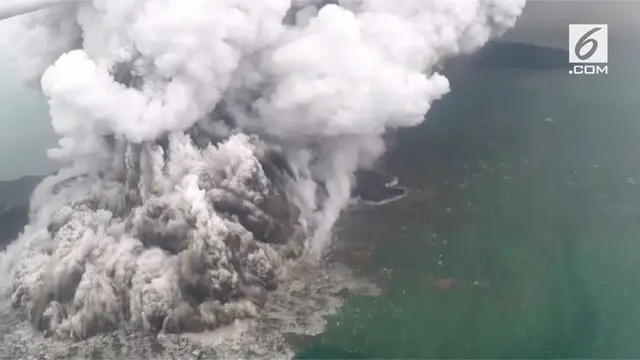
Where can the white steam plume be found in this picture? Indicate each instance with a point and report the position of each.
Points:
(205, 137)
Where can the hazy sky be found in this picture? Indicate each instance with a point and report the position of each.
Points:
(25, 128)
(25, 131)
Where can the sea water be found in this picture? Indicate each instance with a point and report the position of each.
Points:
(520, 233)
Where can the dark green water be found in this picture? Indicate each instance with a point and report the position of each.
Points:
(534, 226)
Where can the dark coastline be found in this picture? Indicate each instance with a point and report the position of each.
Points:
(513, 55)
(14, 207)
(375, 187)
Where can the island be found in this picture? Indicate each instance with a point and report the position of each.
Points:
(377, 188)
(500, 54)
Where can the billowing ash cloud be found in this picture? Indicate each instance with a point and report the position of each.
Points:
(206, 141)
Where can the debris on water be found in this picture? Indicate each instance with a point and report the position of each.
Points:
(386, 271)
(446, 284)
(361, 253)
(481, 284)
(631, 181)
(549, 119)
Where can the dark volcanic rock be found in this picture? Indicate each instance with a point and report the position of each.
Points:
(375, 186)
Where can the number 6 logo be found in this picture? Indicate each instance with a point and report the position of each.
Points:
(584, 41)
(588, 43)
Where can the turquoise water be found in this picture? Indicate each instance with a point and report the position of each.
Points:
(520, 236)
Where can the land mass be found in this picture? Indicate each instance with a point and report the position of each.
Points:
(514, 55)
(376, 187)
(14, 207)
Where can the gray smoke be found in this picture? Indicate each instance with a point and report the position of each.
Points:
(207, 141)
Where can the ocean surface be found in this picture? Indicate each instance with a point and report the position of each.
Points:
(520, 233)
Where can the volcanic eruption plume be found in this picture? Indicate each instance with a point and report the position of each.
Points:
(207, 141)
